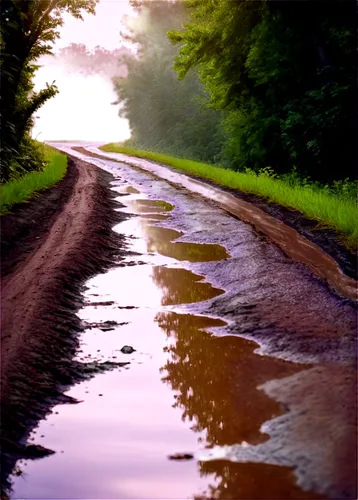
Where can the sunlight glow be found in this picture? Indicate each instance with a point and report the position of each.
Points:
(81, 111)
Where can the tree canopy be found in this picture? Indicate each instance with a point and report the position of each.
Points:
(262, 83)
(165, 114)
(28, 31)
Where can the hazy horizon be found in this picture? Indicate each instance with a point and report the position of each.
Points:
(82, 110)
(109, 15)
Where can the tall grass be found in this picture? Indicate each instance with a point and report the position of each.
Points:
(330, 209)
(26, 187)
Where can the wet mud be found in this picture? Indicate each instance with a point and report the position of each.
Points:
(329, 240)
(239, 357)
(315, 252)
(293, 315)
(39, 326)
(20, 232)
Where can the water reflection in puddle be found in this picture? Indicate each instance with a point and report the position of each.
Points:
(139, 206)
(128, 190)
(150, 286)
(155, 216)
(161, 240)
(184, 389)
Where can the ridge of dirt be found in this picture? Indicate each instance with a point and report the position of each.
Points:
(329, 240)
(22, 230)
(40, 297)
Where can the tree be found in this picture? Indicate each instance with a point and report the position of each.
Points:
(284, 74)
(28, 30)
(164, 114)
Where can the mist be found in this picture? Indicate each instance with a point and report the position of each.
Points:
(83, 109)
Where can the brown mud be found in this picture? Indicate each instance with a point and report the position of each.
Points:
(328, 389)
(317, 434)
(67, 234)
(22, 230)
(327, 239)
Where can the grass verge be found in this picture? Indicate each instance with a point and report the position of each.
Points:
(316, 203)
(26, 187)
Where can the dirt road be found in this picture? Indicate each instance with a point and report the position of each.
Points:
(49, 248)
(244, 359)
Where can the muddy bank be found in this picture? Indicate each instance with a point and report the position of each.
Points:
(320, 440)
(22, 230)
(50, 247)
(329, 240)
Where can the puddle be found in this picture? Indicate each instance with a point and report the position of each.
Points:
(139, 206)
(180, 286)
(295, 245)
(155, 216)
(148, 286)
(184, 390)
(161, 240)
(186, 387)
(128, 190)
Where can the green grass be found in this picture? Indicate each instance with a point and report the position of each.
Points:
(330, 210)
(26, 187)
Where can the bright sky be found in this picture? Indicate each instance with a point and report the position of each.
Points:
(102, 29)
(82, 110)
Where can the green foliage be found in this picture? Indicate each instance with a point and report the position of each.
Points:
(280, 75)
(20, 190)
(345, 189)
(30, 157)
(284, 72)
(165, 114)
(28, 30)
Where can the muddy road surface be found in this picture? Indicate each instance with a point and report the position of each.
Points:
(220, 365)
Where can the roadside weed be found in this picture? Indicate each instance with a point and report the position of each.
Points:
(26, 187)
